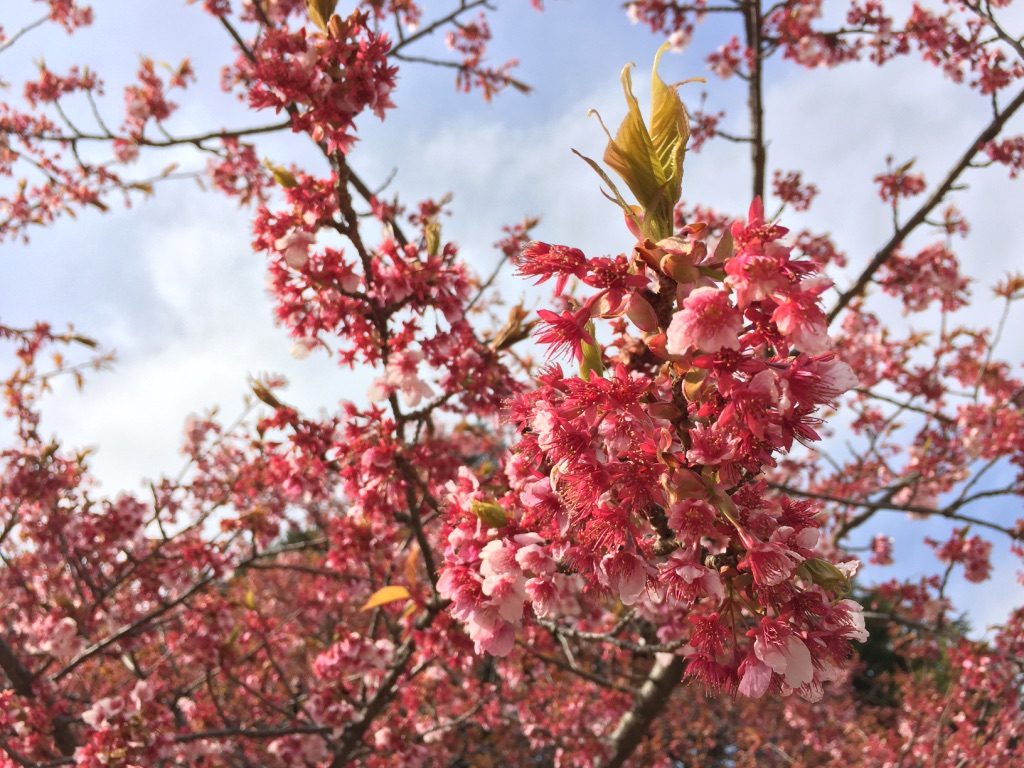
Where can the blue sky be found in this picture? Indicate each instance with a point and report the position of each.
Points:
(172, 284)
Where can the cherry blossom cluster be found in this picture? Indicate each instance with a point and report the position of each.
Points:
(460, 565)
(323, 79)
(956, 37)
(639, 476)
(970, 42)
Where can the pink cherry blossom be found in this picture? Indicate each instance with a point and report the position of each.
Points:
(707, 322)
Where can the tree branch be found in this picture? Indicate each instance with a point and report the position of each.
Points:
(171, 141)
(988, 134)
(22, 32)
(650, 701)
(755, 101)
(948, 512)
(464, 5)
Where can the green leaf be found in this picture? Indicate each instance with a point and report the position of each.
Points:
(591, 362)
(693, 382)
(670, 130)
(281, 175)
(651, 161)
(618, 198)
(631, 153)
(490, 513)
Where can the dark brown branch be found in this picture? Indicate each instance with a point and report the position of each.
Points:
(610, 638)
(368, 194)
(17, 673)
(138, 624)
(755, 101)
(576, 670)
(486, 284)
(651, 699)
(415, 519)
(949, 512)
(252, 733)
(437, 24)
(172, 141)
(21, 680)
(353, 733)
(698, 10)
(130, 629)
(906, 406)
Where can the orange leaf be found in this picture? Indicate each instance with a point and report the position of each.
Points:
(386, 595)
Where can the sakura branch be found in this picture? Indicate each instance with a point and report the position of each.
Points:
(635, 552)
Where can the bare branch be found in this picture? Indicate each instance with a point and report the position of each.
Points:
(22, 32)
(651, 699)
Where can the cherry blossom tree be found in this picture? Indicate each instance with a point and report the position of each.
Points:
(604, 531)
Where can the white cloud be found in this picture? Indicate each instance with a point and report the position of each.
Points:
(199, 324)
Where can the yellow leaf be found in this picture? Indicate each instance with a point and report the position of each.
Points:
(264, 394)
(320, 12)
(724, 503)
(514, 330)
(724, 249)
(824, 574)
(386, 595)
(632, 214)
(433, 237)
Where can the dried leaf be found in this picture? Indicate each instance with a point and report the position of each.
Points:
(724, 249)
(693, 383)
(385, 595)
